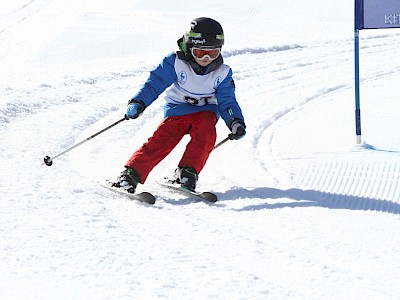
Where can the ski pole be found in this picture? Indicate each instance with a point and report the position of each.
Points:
(222, 142)
(49, 160)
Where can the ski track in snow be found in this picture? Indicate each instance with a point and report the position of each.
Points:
(22, 13)
(341, 183)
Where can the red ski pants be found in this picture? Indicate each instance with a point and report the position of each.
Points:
(201, 128)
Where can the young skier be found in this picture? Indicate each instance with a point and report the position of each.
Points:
(201, 90)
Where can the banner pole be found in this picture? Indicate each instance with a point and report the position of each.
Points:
(357, 85)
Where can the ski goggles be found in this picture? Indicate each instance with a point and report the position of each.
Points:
(202, 53)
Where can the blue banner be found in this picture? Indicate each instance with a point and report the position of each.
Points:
(376, 14)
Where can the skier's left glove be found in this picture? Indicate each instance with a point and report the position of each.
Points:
(238, 129)
(134, 109)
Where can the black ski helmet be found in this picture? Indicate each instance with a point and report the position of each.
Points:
(204, 32)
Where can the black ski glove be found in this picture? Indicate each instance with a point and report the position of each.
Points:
(238, 129)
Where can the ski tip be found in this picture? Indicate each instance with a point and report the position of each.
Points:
(150, 198)
(211, 197)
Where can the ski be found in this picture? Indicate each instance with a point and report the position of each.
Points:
(144, 197)
(205, 196)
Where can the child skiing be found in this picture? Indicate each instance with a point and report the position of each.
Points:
(201, 90)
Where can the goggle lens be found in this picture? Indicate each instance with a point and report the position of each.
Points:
(202, 53)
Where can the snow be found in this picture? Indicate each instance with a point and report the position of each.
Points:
(304, 212)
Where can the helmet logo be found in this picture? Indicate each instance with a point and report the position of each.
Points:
(193, 23)
(199, 41)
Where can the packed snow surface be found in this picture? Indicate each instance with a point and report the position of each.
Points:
(304, 211)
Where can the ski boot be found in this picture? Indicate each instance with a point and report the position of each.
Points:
(127, 180)
(187, 177)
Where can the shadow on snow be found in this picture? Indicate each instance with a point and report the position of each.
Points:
(308, 198)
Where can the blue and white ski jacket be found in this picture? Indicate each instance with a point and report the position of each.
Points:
(189, 92)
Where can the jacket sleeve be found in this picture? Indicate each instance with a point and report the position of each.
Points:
(160, 78)
(227, 104)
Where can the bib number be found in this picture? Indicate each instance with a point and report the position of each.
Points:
(194, 101)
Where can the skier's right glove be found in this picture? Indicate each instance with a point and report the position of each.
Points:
(134, 109)
(238, 129)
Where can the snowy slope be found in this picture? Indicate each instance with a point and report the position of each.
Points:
(304, 212)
